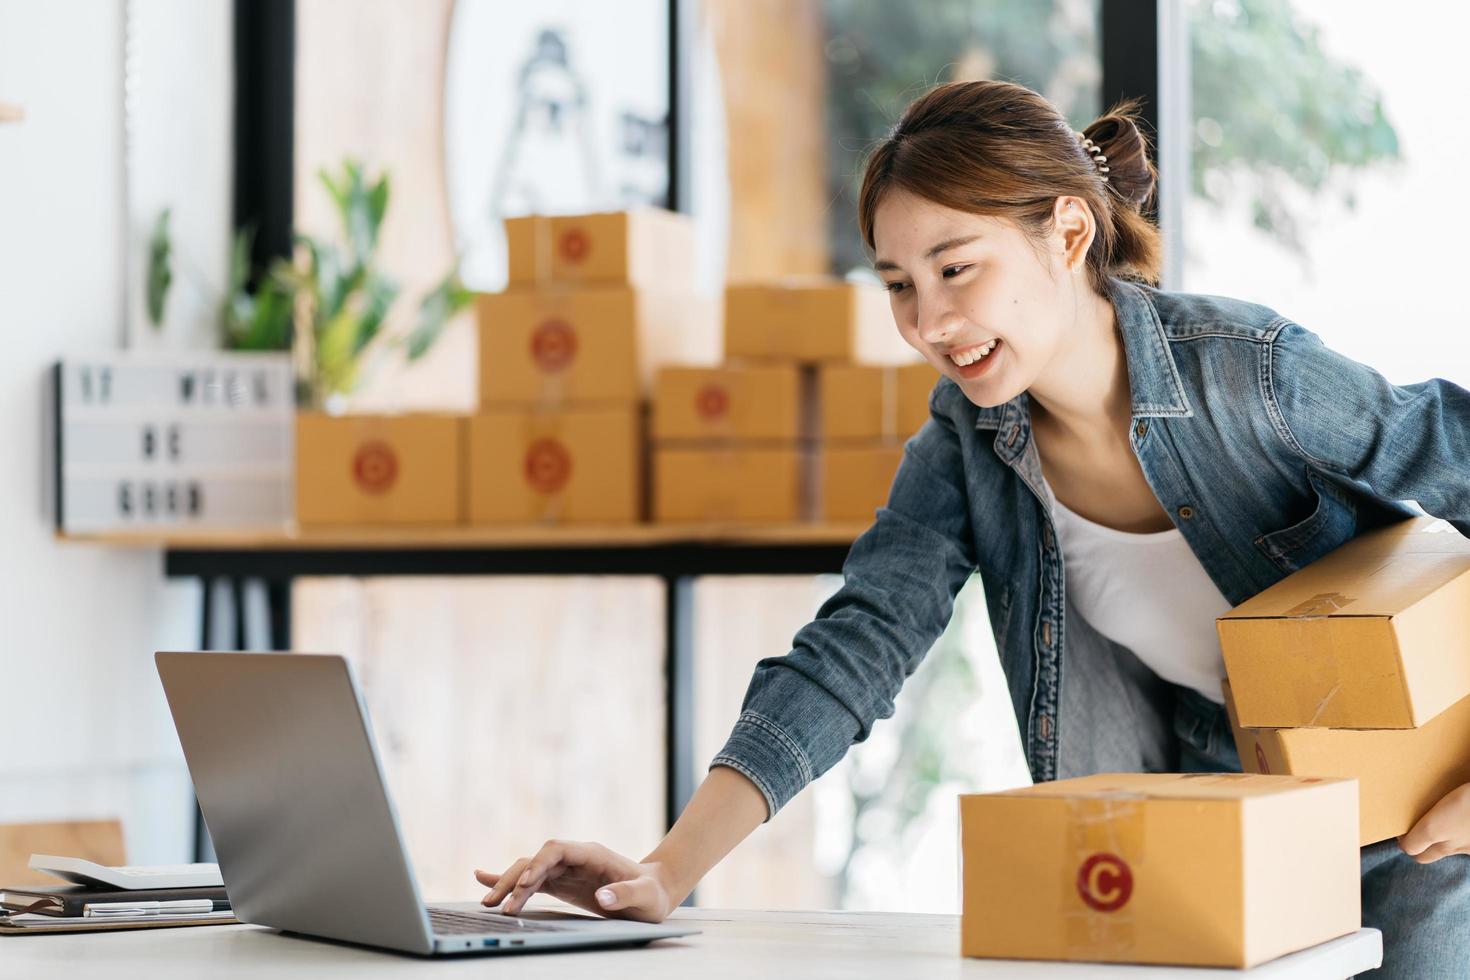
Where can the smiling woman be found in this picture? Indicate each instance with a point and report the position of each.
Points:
(1111, 458)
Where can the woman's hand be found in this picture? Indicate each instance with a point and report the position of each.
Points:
(1444, 830)
(588, 876)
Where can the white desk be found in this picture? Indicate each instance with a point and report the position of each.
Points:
(837, 945)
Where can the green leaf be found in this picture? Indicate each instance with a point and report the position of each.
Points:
(160, 276)
(436, 310)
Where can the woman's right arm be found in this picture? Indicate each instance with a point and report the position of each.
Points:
(803, 710)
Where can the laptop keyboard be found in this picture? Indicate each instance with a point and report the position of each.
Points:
(452, 922)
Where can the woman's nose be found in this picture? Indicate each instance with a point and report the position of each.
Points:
(937, 322)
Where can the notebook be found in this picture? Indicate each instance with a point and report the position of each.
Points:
(70, 900)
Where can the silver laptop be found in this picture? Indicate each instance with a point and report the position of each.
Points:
(288, 777)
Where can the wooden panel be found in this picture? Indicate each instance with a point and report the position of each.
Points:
(95, 840)
(506, 712)
(370, 85)
(773, 75)
(737, 622)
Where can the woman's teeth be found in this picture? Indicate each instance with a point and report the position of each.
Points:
(974, 354)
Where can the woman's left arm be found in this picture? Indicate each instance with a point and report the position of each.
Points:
(1399, 442)
(1396, 442)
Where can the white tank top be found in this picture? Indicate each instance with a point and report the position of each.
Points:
(1147, 592)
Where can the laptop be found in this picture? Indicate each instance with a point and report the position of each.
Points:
(289, 780)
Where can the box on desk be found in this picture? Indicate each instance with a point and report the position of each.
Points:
(1372, 635)
(731, 483)
(1206, 869)
(378, 469)
(641, 247)
(874, 402)
(1401, 772)
(754, 402)
(811, 321)
(586, 344)
(569, 466)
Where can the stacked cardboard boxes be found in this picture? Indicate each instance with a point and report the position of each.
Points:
(1202, 869)
(867, 412)
(567, 352)
(1359, 665)
(729, 444)
(720, 459)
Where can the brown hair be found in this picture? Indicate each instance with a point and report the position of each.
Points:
(999, 149)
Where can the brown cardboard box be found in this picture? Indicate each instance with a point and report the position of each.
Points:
(855, 480)
(870, 402)
(1372, 635)
(1208, 870)
(592, 344)
(572, 466)
(643, 247)
(736, 483)
(1401, 772)
(809, 321)
(378, 469)
(756, 402)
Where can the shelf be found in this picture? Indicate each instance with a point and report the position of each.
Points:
(452, 538)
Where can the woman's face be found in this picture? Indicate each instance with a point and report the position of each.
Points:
(986, 305)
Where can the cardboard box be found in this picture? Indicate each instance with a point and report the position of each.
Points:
(1401, 772)
(855, 480)
(378, 469)
(810, 321)
(1372, 635)
(1208, 870)
(643, 247)
(584, 345)
(573, 466)
(734, 484)
(870, 402)
(758, 402)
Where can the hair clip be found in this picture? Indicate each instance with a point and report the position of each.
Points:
(1095, 153)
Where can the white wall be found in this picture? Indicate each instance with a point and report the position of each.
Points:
(86, 727)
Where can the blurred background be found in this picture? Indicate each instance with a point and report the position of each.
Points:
(159, 158)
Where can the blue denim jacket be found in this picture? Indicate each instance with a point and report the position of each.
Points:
(1267, 449)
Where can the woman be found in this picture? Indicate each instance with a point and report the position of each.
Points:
(1180, 452)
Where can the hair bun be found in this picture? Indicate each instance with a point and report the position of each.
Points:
(1131, 173)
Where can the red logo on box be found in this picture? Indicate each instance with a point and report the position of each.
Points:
(548, 466)
(574, 245)
(375, 467)
(1262, 766)
(1105, 882)
(553, 345)
(712, 402)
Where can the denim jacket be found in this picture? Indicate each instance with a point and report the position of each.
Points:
(1267, 449)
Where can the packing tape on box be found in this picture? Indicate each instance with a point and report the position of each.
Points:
(1312, 629)
(547, 466)
(1106, 837)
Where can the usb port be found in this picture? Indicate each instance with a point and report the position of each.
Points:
(492, 942)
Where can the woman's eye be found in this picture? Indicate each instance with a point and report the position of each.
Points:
(895, 287)
(951, 271)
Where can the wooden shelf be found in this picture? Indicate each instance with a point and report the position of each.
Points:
(450, 538)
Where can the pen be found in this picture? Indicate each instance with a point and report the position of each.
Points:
(182, 906)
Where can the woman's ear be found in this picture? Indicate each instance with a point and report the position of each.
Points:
(1074, 229)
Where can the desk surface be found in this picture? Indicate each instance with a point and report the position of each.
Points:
(839, 945)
